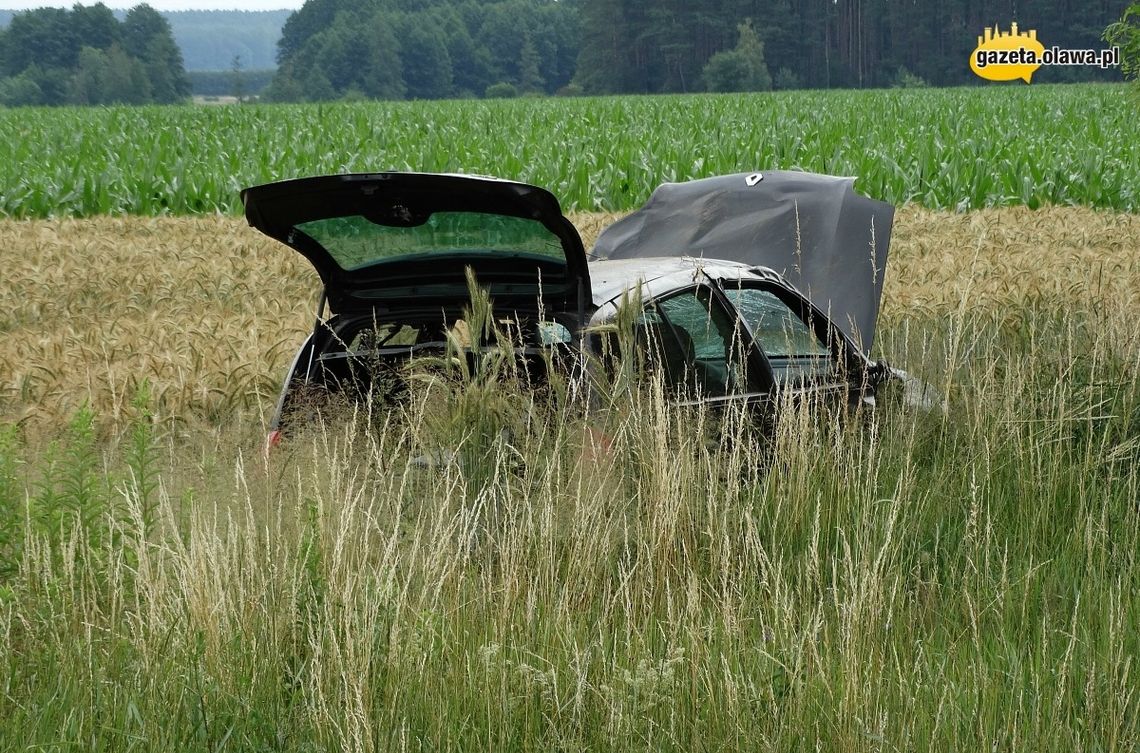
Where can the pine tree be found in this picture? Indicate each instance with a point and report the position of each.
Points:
(237, 79)
(741, 68)
(530, 79)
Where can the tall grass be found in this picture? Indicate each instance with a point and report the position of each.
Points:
(481, 567)
(950, 148)
(898, 580)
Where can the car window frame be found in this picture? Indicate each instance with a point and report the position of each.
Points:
(756, 363)
(846, 357)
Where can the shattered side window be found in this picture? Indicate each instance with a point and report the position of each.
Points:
(791, 345)
(553, 333)
(706, 353)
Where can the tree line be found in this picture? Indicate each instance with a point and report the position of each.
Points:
(394, 49)
(666, 45)
(428, 49)
(444, 48)
(86, 56)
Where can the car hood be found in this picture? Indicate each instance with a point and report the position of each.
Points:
(381, 239)
(827, 240)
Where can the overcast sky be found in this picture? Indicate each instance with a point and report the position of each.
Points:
(162, 4)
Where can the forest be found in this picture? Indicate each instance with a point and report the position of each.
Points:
(436, 49)
(87, 56)
(442, 48)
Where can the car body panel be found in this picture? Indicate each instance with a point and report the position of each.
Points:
(827, 240)
(652, 279)
(613, 278)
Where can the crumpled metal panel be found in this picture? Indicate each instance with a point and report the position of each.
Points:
(827, 240)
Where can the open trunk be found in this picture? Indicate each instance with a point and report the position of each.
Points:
(381, 238)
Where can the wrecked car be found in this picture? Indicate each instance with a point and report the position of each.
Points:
(748, 286)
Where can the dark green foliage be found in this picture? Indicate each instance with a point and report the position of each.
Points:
(71, 496)
(147, 37)
(52, 56)
(669, 46)
(503, 34)
(741, 69)
(605, 46)
(357, 53)
(1125, 34)
(530, 79)
(426, 64)
(12, 504)
(96, 26)
(163, 64)
(20, 91)
(42, 37)
(141, 459)
(111, 77)
(427, 51)
(237, 79)
(663, 45)
(310, 20)
(727, 71)
(70, 499)
(501, 90)
(470, 63)
(141, 25)
(602, 66)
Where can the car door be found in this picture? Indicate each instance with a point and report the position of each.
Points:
(700, 346)
(804, 351)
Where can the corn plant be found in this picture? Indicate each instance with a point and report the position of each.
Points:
(952, 148)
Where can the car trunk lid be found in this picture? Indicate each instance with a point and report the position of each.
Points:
(382, 239)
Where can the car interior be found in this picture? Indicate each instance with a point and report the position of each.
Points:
(369, 357)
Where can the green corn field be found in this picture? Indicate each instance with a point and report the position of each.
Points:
(956, 149)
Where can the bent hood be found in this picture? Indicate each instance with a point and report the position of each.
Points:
(827, 240)
(381, 239)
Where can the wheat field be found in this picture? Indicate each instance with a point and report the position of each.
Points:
(210, 312)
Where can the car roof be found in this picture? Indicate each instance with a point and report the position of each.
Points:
(609, 278)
